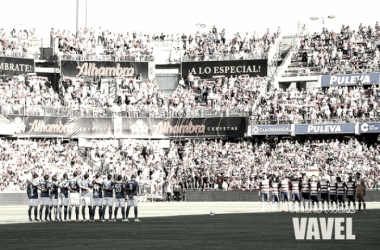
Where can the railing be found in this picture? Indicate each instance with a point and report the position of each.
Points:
(94, 57)
(66, 111)
(254, 120)
(9, 53)
(199, 112)
(218, 56)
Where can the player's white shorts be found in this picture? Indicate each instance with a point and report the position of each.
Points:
(53, 202)
(33, 202)
(74, 199)
(132, 202)
(120, 202)
(97, 202)
(63, 201)
(108, 201)
(44, 201)
(86, 201)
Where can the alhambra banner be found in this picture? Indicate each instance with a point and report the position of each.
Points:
(230, 127)
(104, 68)
(46, 126)
(208, 69)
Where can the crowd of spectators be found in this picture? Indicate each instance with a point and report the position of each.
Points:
(342, 104)
(20, 158)
(27, 94)
(193, 165)
(214, 46)
(135, 97)
(17, 43)
(221, 95)
(100, 43)
(346, 51)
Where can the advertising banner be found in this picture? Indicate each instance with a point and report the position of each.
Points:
(104, 68)
(16, 66)
(207, 69)
(370, 127)
(231, 127)
(271, 129)
(48, 126)
(346, 128)
(350, 80)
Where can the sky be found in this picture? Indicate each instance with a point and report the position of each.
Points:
(173, 16)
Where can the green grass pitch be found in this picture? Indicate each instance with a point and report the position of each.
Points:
(222, 231)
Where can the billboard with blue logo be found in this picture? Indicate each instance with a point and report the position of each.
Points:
(350, 80)
(271, 129)
(346, 128)
(370, 127)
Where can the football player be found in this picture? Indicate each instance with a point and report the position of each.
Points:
(305, 193)
(296, 187)
(73, 187)
(97, 197)
(63, 197)
(264, 192)
(360, 192)
(341, 190)
(32, 191)
(108, 196)
(275, 185)
(314, 187)
(53, 186)
(351, 194)
(284, 184)
(132, 196)
(333, 192)
(323, 186)
(85, 187)
(44, 199)
(120, 188)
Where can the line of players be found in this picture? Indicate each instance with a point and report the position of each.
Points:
(333, 192)
(71, 193)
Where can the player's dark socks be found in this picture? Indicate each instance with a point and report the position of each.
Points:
(41, 212)
(135, 212)
(84, 213)
(100, 213)
(127, 213)
(77, 213)
(364, 206)
(123, 212)
(30, 212)
(65, 212)
(35, 213)
(50, 209)
(116, 210)
(110, 212)
(55, 213)
(47, 212)
(70, 208)
(90, 212)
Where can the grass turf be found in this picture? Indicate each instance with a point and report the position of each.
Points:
(224, 231)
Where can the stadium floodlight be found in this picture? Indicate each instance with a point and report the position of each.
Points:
(314, 18)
